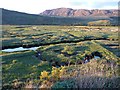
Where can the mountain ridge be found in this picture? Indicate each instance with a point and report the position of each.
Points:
(10, 17)
(69, 12)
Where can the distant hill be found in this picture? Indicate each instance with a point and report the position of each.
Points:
(68, 12)
(18, 18)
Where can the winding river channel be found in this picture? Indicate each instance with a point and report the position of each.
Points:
(37, 46)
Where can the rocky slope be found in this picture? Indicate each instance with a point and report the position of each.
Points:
(68, 12)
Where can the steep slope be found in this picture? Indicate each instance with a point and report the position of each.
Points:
(68, 12)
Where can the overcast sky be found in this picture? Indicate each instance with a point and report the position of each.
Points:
(37, 6)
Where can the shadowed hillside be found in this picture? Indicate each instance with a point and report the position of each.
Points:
(18, 18)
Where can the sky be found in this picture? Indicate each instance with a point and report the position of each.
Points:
(38, 6)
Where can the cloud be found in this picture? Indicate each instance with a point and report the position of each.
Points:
(102, 4)
(33, 6)
(86, 1)
(106, 4)
(37, 6)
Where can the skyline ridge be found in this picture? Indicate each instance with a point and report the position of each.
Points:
(54, 9)
(37, 6)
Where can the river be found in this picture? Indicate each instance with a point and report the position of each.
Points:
(19, 49)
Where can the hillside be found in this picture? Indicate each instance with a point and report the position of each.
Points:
(68, 12)
(17, 18)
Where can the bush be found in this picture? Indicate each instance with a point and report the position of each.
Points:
(44, 75)
(90, 82)
(55, 74)
(14, 61)
(98, 82)
(65, 84)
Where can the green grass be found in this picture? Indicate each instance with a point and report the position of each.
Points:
(74, 51)
(31, 35)
(22, 65)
